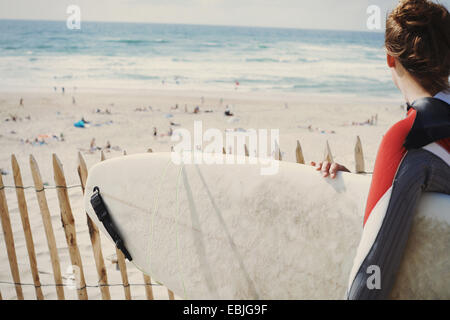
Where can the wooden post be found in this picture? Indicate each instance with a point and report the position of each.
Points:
(148, 287)
(246, 150)
(278, 152)
(46, 219)
(123, 273)
(359, 157)
(328, 156)
(23, 209)
(69, 225)
(9, 240)
(121, 260)
(171, 295)
(299, 153)
(95, 237)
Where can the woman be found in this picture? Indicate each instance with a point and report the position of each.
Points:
(414, 155)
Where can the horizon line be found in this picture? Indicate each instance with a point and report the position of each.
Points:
(201, 24)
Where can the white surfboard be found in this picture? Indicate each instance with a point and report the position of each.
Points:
(227, 232)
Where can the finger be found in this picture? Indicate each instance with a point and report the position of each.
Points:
(334, 169)
(319, 166)
(322, 166)
(325, 166)
(326, 169)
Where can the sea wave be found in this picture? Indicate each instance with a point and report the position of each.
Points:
(132, 42)
(136, 76)
(262, 60)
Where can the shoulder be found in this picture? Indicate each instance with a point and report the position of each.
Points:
(395, 137)
(431, 123)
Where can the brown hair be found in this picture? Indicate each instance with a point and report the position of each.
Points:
(418, 35)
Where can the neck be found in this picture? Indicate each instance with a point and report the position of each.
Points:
(412, 91)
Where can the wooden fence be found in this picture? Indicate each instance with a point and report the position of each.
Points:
(68, 223)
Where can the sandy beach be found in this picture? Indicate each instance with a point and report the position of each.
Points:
(126, 119)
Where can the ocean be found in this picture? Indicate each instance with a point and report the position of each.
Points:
(46, 54)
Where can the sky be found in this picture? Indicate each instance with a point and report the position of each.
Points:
(309, 14)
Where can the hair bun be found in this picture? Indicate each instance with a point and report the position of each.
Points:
(415, 13)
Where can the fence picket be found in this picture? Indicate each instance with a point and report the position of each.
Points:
(359, 157)
(123, 273)
(246, 150)
(23, 209)
(278, 152)
(94, 235)
(48, 228)
(9, 240)
(69, 226)
(121, 259)
(148, 287)
(299, 153)
(328, 155)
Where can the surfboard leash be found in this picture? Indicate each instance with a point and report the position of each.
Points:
(105, 218)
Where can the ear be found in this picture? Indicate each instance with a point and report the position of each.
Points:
(390, 61)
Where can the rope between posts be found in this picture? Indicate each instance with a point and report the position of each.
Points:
(86, 286)
(42, 189)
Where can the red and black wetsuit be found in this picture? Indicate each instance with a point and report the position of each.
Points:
(414, 157)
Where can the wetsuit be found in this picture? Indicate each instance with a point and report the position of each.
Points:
(414, 157)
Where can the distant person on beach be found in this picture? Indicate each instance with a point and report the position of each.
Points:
(228, 112)
(21, 102)
(414, 155)
(62, 90)
(92, 146)
(155, 132)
